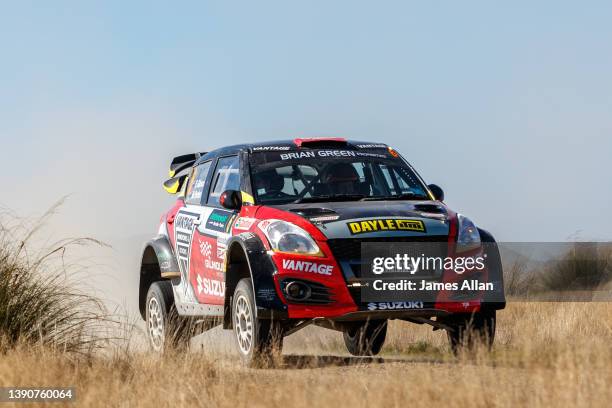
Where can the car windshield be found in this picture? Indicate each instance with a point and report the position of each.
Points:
(320, 175)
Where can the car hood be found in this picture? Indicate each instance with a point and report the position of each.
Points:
(370, 219)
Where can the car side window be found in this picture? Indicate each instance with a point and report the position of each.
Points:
(398, 181)
(197, 183)
(386, 171)
(226, 177)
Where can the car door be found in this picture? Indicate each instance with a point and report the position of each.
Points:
(208, 249)
(185, 223)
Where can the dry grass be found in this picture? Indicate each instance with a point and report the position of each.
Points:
(39, 302)
(546, 354)
(584, 267)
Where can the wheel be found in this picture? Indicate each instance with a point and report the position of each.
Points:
(258, 340)
(366, 338)
(165, 328)
(467, 330)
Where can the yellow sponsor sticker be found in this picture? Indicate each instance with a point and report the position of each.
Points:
(363, 227)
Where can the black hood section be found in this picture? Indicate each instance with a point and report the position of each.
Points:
(344, 210)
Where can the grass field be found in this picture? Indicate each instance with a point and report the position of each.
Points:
(546, 354)
(53, 335)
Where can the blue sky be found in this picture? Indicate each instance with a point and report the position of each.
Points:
(507, 106)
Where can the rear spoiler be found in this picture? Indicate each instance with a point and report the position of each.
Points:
(179, 164)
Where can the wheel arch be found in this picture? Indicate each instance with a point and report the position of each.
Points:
(496, 300)
(247, 258)
(237, 268)
(157, 263)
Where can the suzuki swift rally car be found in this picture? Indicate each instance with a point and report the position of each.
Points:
(267, 238)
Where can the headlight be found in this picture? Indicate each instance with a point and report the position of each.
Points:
(286, 237)
(468, 236)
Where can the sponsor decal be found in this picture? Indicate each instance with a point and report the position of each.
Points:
(184, 221)
(197, 189)
(205, 248)
(306, 266)
(221, 251)
(217, 220)
(372, 146)
(364, 154)
(183, 252)
(211, 287)
(395, 305)
(266, 293)
(320, 153)
(311, 154)
(184, 224)
(265, 224)
(214, 265)
(363, 227)
(183, 237)
(244, 223)
(246, 236)
(270, 148)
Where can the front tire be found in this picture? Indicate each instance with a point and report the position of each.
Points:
(366, 338)
(258, 340)
(165, 328)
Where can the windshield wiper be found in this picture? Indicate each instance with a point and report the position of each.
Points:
(403, 196)
(335, 197)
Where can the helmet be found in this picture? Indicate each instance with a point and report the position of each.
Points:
(270, 181)
(342, 178)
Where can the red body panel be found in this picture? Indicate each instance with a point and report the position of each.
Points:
(343, 302)
(206, 274)
(169, 219)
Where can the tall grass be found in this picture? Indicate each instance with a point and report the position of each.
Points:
(586, 266)
(583, 268)
(39, 302)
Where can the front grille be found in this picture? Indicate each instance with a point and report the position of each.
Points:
(347, 252)
(349, 249)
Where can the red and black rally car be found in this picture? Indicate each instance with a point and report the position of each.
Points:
(268, 238)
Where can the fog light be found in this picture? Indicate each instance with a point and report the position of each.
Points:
(297, 291)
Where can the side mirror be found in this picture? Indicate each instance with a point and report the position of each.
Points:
(437, 192)
(230, 199)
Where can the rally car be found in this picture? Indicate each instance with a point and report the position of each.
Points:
(268, 238)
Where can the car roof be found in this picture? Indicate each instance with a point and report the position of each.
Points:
(263, 146)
